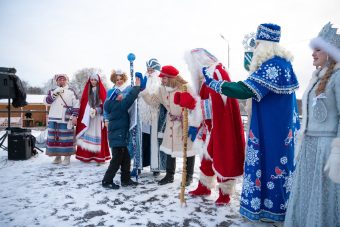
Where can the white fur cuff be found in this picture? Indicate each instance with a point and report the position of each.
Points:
(228, 187)
(207, 181)
(336, 145)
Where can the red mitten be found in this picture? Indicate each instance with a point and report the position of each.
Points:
(187, 101)
(177, 98)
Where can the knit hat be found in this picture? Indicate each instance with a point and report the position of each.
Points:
(154, 64)
(113, 93)
(268, 32)
(57, 76)
(169, 71)
(329, 41)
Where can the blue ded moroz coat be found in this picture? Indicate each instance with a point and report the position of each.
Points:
(269, 163)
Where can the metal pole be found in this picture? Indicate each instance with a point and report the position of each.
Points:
(228, 56)
(228, 49)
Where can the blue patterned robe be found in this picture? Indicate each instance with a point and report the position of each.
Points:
(269, 163)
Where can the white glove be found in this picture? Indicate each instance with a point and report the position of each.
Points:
(58, 91)
(333, 163)
(92, 112)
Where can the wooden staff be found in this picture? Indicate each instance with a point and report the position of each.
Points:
(185, 148)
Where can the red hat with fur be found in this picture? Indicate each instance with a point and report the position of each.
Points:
(169, 71)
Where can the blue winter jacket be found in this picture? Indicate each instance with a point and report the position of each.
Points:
(119, 119)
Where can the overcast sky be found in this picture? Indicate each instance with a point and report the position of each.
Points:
(41, 38)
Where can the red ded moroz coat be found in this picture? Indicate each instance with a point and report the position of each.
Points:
(226, 144)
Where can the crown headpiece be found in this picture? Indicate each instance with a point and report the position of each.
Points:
(329, 41)
(330, 35)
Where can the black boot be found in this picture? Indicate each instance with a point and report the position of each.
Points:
(110, 185)
(129, 183)
(169, 178)
(190, 170)
(170, 171)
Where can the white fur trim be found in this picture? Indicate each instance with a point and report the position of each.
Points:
(228, 187)
(222, 178)
(333, 51)
(336, 145)
(208, 181)
(89, 147)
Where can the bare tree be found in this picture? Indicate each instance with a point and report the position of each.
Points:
(32, 89)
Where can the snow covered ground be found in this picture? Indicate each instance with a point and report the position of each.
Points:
(36, 192)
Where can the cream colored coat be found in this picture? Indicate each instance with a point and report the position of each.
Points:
(172, 140)
(58, 109)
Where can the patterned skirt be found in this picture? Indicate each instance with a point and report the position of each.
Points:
(314, 199)
(60, 140)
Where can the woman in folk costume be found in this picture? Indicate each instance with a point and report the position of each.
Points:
(269, 162)
(64, 107)
(223, 149)
(172, 143)
(315, 196)
(150, 121)
(91, 133)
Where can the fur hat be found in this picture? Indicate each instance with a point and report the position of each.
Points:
(154, 64)
(329, 41)
(57, 76)
(268, 32)
(94, 76)
(169, 71)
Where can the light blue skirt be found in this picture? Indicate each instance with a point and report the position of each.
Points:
(314, 199)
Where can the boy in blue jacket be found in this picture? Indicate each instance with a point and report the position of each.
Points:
(116, 107)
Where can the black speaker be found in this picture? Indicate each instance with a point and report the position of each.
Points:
(19, 144)
(6, 86)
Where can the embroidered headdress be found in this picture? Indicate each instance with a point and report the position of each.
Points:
(268, 32)
(154, 64)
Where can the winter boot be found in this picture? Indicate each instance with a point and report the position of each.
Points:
(223, 199)
(169, 178)
(57, 160)
(129, 183)
(110, 185)
(66, 160)
(190, 170)
(200, 190)
(170, 171)
(226, 189)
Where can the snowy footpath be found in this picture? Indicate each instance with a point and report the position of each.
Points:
(36, 192)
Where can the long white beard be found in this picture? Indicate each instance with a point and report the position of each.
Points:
(147, 112)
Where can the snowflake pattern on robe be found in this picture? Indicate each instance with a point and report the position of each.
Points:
(289, 182)
(287, 74)
(268, 203)
(248, 185)
(252, 157)
(255, 203)
(271, 72)
(268, 179)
